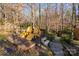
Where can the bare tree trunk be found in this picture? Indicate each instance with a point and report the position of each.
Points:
(33, 14)
(73, 14)
(78, 11)
(56, 15)
(39, 21)
(73, 19)
(48, 17)
(62, 15)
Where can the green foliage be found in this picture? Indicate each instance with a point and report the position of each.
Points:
(76, 42)
(25, 25)
(50, 35)
(1, 22)
(67, 35)
(2, 37)
(47, 53)
(67, 30)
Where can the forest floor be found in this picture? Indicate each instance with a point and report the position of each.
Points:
(57, 48)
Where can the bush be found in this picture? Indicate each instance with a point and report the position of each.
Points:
(1, 21)
(50, 36)
(25, 25)
(2, 37)
(67, 35)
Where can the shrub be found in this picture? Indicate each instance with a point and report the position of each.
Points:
(67, 35)
(50, 35)
(2, 37)
(25, 25)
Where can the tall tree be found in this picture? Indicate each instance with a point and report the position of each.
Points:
(73, 14)
(62, 11)
(48, 17)
(56, 15)
(73, 19)
(39, 21)
(78, 11)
